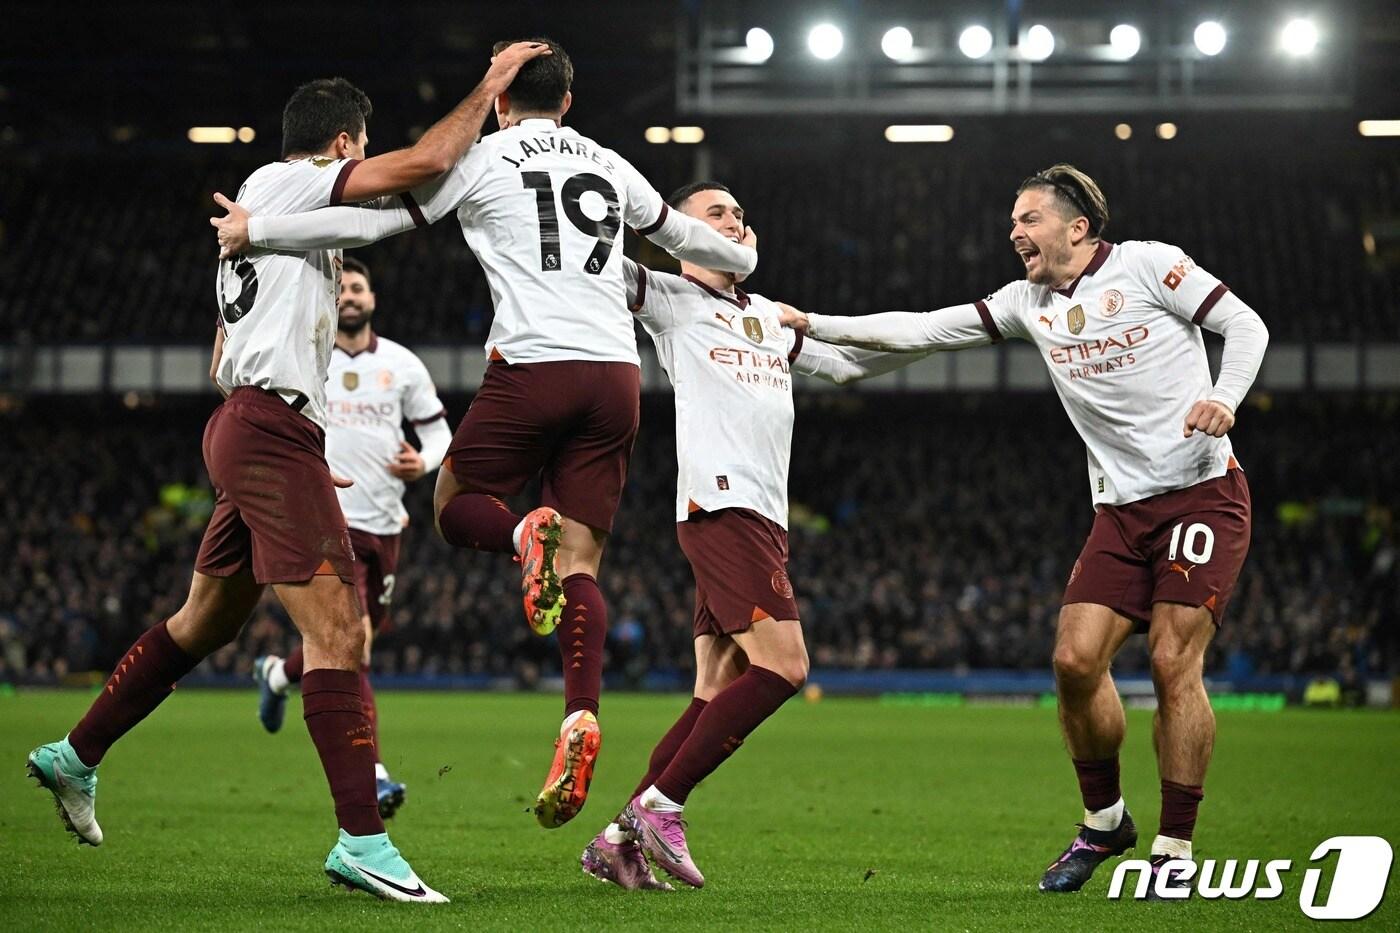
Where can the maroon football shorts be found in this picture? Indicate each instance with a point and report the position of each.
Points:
(376, 560)
(275, 507)
(573, 421)
(1185, 546)
(739, 559)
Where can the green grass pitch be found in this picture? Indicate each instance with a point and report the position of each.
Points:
(843, 814)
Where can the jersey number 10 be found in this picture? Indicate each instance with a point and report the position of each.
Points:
(604, 230)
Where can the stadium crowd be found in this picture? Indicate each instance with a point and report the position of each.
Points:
(128, 256)
(927, 532)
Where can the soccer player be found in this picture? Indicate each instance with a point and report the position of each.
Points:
(1119, 327)
(276, 517)
(375, 386)
(542, 207)
(729, 360)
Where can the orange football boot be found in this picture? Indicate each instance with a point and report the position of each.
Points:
(566, 789)
(540, 584)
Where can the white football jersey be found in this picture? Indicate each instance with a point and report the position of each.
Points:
(729, 360)
(542, 207)
(1124, 349)
(369, 395)
(278, 310)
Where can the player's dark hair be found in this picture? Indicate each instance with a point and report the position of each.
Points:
(351, 264)
(319, 111)
(541, 83)
(685, 192)
(1078, 194)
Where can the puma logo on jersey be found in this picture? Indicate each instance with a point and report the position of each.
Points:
(728, 321)
(1049, 321)
(1184, 571)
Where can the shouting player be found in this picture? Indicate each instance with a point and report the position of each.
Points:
(542, 207)
(375, 386)
(276, 517)
(1119, 327)
(729, 359)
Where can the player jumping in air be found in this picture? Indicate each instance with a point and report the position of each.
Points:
(276, 517)
(1119, 327)
(375, 386)
(730, 361)
(542, 207)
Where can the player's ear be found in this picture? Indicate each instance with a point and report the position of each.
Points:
(503, 109)
(342, 145)
(568, 101)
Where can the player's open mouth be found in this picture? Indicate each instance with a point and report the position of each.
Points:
(1028, 255)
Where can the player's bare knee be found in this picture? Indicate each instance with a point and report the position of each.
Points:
(1176, 666)
(794, 669)
(1076, 669)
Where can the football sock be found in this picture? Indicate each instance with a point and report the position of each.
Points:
(581, 634)
(480, 522)
(1098, 783)
(1105, 820)
(615, 834)
(722, 727)
(1179, 805)
(515, 534)
(143, 678)
(670, 743)
(657, 802)
(344, 739)
(381, 773)
(1167, 845)
(291, 668)
(371, 711)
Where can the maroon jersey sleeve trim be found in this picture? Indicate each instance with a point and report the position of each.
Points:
(796, 347)
(1212, 299)
(651, 228)
(986, 315)
(338, 190)
(417, 421)
(413, 209)
(636, 305)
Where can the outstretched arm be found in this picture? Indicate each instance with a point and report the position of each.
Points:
(843, 364)
(953, 328)
(446, 141)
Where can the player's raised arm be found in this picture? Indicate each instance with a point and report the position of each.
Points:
(684, 237)
(446, 141)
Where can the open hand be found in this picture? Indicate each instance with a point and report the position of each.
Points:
(407, 464)
(233, 227)
(506, 65)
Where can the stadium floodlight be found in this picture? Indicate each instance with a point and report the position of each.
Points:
(759, 44)
(1123, 131)
(212, 134)
(247, 134)
(919, 133)
(1166, 131)
(1379, 127)
(1299, 37)
(825, 41)
(1038, 43)
(658, 134)
(897, 43)
(975, 41)
(687, 134)
(1124, 41)
(1210, 37)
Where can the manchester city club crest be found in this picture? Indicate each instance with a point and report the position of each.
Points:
(351, 381)
(1075, 319)
(753, 329)
(1111, 302)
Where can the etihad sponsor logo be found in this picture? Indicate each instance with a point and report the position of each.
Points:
(1094, 349)
(1075, 319)
(1178, 272)
(338, 408)
(748, 359)
(1111, 302)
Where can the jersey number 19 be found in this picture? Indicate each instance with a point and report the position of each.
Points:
(604, 230)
